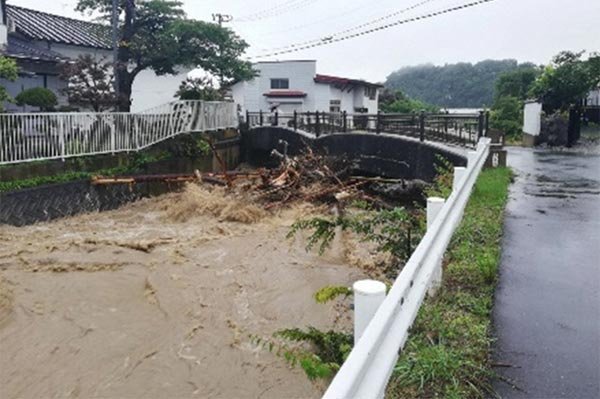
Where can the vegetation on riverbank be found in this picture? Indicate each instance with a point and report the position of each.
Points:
(448, 351)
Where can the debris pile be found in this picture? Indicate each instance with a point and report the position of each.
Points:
(309, 177)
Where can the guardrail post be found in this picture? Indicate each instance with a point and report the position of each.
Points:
(459, 173)
(344, 122)
(434, 206)
(260, 117)
(422, 126)
(368, 295)
(471, 158)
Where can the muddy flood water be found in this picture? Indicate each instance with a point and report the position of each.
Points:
(158, 299)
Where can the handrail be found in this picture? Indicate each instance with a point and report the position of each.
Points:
(367, 370)
(28, 137)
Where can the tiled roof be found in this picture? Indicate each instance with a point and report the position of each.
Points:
(343, 81)
(54, 28)
(23, 49)
(285, 93)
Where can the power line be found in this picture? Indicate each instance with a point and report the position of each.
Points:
(354, 28)
(331, 40)
(275, 11)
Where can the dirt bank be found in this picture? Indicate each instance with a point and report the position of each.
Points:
(156, 300)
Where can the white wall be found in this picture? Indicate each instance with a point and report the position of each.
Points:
(532, 115)
(301, 74)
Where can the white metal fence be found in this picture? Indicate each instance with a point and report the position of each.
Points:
(40, 136)
(367, 370)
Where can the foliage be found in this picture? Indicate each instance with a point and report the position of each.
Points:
(442, 183)
(330, 292)
(395, 101)
(8, 71)
(90, 83)
(198, 89)
(516, 83)
(390, 229)
(507, 116)
(567, 80)
(447, 353)
(37, 97)
(452, 85)
(328, 349)
(155, 34)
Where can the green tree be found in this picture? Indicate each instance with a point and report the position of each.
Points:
(198, 89)
(567, 80)
(90, 83)
(37, 97)
(507, 115)
(516, 83)
(8, 71)
(395, 101)
(155, 34)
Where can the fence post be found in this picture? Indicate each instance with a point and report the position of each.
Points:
(112, 134)
(422, 126)
(434, 206)
(295, 120)
(480, 125)
(487, 123)
(368, 295)
(248, 118)
(344, 123)
(317, 124)
(276, 119)
(260, 117)
(61, 138)
(378, 123)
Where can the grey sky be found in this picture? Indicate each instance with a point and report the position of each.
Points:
(528, 30)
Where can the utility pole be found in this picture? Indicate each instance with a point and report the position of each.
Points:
(115, 44)
(220, 18)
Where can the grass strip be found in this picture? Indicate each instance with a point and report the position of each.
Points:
(448, 351)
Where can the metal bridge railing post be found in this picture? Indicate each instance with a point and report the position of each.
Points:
(422, 126)
(344, 122)
(260, 117)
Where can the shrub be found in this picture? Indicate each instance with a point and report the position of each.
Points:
(37, 97)
(507, 115)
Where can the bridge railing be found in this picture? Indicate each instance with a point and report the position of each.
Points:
(366, 371)
(41, 136)
(459, 129)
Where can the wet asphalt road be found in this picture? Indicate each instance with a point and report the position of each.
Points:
(547, 306)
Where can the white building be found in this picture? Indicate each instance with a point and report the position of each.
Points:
(40, 42)
(289, 86)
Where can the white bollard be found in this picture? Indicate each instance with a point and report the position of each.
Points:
(471, 158)
(434, 206)
(459, 173)
(368, 295)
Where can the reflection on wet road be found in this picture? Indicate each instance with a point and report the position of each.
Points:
(547, 307)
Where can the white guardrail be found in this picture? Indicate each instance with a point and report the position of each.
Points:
(367, 370)
(40, 136)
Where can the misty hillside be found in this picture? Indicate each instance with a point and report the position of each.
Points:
(452, 85)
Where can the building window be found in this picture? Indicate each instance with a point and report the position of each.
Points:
(280, 83)
(371, 92)
(335, 105)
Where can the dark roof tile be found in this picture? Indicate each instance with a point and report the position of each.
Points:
(55, 28)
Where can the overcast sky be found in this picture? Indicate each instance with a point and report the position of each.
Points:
(528, 30)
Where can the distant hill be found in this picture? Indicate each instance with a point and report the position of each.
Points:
(461, 85)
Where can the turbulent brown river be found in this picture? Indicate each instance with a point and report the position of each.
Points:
(158, 299)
